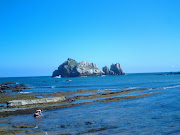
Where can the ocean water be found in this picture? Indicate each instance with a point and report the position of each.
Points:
(157, 114)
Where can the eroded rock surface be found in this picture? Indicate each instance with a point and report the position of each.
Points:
(35, 101)
(114, 70)
(71, 68)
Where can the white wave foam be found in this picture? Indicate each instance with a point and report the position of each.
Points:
(170, 87)
(24, 92)
(130, 88)
(110, 89)
(52, 87)
(36, 127)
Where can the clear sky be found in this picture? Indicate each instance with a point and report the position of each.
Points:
(36, 36)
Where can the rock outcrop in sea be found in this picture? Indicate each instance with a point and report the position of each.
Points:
(107, 71)
(15, 87)
(174, 73)
(114, 70)
(71, 68)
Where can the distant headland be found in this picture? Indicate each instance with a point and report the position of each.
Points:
(71, 68)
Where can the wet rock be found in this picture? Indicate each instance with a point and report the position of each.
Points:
(50, 106)
(4, 127)
(68, 80)
(143, 89)
(26, 88)
(102, 95)
(24, 126)
(22, 85)
(2, 105)
(16, 90)
(124, 98)
(63, 126)
(1, 91)
(88, 122)
(11, 86)
(5, 87)
(35, 101)
(12, 131)
(39, 133)
(7, 83)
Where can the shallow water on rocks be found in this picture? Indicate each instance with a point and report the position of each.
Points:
(157, 114)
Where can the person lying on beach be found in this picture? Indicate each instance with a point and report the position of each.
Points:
(38, 113)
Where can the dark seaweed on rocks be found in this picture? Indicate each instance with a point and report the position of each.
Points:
(12, 132)
(12, 86)
(24, 126)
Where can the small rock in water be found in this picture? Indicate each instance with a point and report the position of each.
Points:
(45, 81)
(68, 80)
(24, 126)
(88, 122)
(2, 106)
(63, 126)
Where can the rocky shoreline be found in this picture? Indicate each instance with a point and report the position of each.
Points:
(68, 99)
(71, 98)
(23, 104)
(20, 104)
(14, 87)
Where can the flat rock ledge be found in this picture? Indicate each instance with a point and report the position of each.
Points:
(35, 101)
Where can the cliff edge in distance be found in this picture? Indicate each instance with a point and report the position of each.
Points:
(71, 68)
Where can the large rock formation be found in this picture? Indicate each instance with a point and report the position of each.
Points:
(88, 69)
(107, 71)
(114, 70)
(71, 68)
(67, 69)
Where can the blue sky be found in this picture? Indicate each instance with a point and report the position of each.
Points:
(36, 36)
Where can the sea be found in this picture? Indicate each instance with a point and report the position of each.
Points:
(157, 114)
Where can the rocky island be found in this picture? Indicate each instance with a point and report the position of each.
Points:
(71, 68)
(114, 70)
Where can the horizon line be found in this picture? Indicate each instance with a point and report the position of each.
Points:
(89, 76)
